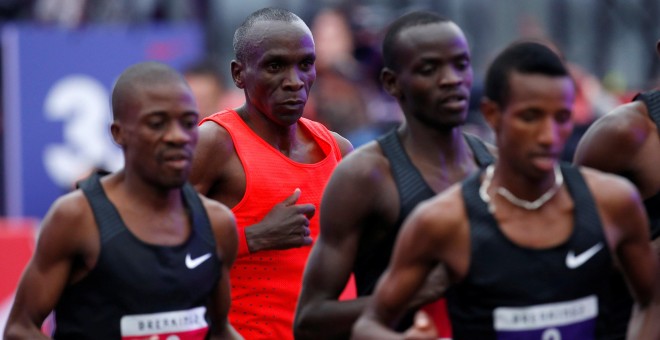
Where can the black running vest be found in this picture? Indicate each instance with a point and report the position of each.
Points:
(138, 289)
(652, 204)
(371, 263)
(512, 292)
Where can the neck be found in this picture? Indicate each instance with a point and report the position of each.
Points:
(279, 137)
(137, 190)
(442, 158)
(447, 146)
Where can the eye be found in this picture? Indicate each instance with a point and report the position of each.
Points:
(156, 123)
(563, 117)
(307, 65)
(190, 122)
(529, 115)
(273, 67)
(426, 69)
(462, 64)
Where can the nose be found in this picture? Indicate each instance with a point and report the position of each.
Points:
(293, 79)
(550, 132)
(178, 134)
(450, 76)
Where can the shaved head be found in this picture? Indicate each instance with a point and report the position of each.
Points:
(242, 38)
(136, 77)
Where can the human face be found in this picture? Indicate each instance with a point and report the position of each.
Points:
(435, 75)
(207, 93)
(533, 127)
(279, 71)
(159, 133)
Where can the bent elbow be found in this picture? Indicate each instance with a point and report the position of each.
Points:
(302, 329)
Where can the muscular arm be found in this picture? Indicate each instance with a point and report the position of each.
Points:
(224, 229)
(613, 142)
(50, 268)
(628, 233)
(347, 204)
(426, 239)
(212, 153)
(345, 146)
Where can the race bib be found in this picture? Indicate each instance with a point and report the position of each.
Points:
(554, 321)
(179, 325)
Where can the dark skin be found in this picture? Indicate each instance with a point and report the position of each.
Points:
(362, 200)
(530, 130)
(276, 79)
(625, 142)
(157, 132)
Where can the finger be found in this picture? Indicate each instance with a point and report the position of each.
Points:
(306, 231)
(307, 209)
(291, 200)
(307, 240)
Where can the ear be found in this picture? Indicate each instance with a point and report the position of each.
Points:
(389, 81)
(491, 113)
(237, 68)
(117, 135)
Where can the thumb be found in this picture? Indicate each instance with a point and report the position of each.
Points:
(291, 200)
(423, 321)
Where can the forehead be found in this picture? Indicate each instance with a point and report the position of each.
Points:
(530, 89)
(166, 96)
(433, 38)
(279, 38)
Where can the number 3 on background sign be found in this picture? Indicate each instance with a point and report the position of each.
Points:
(82, 104)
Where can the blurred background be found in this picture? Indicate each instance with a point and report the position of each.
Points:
(59, 59)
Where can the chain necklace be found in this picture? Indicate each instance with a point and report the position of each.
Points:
(525, 204)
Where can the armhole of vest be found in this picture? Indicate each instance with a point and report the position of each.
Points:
(321, 130)
(652, 101)
(200, 219)
(106, 216)
(481, 152)
(585, 204)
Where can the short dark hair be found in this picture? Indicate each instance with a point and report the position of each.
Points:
(265, 14)
(413, 19)
(141, 74)
(525, 57)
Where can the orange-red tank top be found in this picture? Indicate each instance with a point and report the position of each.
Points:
(265, 285)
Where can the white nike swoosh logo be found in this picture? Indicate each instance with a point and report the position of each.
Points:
(194, 263)
(573, 261)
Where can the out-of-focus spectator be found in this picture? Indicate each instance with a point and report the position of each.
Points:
(67, 13)
(73, 13)
(336, 97)
(208, 85)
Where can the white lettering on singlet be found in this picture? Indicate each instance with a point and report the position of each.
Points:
(546, 315)
(167, 322)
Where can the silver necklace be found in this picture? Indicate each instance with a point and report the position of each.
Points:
(525, 204)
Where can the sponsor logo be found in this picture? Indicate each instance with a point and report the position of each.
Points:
(573, 261)
(194, 263)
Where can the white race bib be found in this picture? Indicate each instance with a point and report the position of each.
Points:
(178, 325)
(554, 321)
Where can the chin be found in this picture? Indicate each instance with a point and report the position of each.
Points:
(173, 182)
